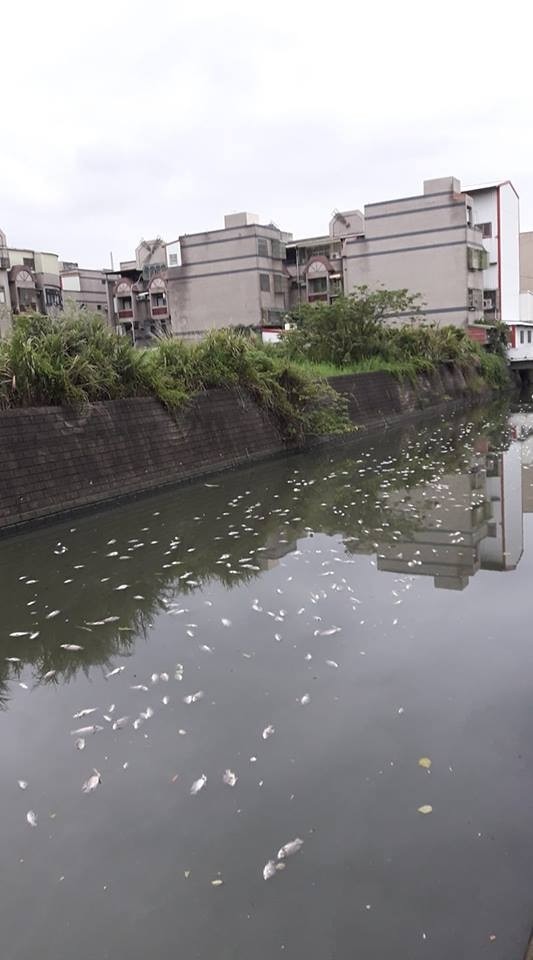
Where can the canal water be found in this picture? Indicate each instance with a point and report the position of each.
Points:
(335, 647)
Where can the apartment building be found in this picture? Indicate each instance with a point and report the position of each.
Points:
(234, 276)
(86, 289)
(315, 264)
(137, 293)
(428, 244)
(29, 280)
(496, 213)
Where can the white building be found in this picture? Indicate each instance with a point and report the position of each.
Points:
(496, 211)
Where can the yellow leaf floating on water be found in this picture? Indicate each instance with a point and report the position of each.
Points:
(424, 762)
(426, 808)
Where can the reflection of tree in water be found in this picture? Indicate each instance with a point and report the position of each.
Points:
(325, 492)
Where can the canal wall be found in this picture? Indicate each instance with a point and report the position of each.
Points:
(53, 461)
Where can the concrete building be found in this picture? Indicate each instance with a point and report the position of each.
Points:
(235, 276)
(496, 213)
(428, 244)
(29, 280)
(315, 264)
(137, 296)
(526, 262)
(85, 288)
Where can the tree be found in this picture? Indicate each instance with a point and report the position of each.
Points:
(351, 328)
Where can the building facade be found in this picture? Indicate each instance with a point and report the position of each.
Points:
(235, 276)
(29, 281)
(137, 294)
(86, 289)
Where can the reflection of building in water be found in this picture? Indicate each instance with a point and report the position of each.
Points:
(463, 522)
(522, 427)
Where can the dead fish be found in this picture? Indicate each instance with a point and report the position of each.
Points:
(225, 622)
(71, 646)
(13, 659)
(146, 714)
(92, 783)
(154, 678)
(80, 744)
(305, 699)
(84, 730)
(165, 701)
(139, 686)
(329, 633)
(332, 663)
(52, 614)
(230, 778)
(198, 785)
(269, 870)
(20, 633)
(84, 713)
(164, 677)
(120, 723)
(31, 817)
(194, 697)
(113, 673)
(206, 649)
(137, 723)
(23, 784)
(290, 848)
(268, 731)
(49, 674)
(123, 586)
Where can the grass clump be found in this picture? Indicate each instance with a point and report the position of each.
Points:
(74, 360)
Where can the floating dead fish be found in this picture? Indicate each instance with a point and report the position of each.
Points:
(13, 659)
(80, 744)
(20, 633)
(290, 848)
(23, 784)
(31, 817)
(217, 883)
(164, 677)
(230, 778)
(206, 649)
(426, 808)
(147, 714)
(330, 632)
(155, 678)
(120, 723)
(139, 686)
(49, 674)
(198, 785)
(123, 586)
(305, 699)
(71, 646)
(82, 731)
(84, 713)
(194, 697)
(268, 731)
(332, 663)
(113, 673)
(92, 783)
(52, 614)
(269, 870)
(137, 723)
(165, 700)
(225, 622)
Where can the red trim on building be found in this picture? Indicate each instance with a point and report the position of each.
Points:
(499, 252)
(125, 314)
(159, 311)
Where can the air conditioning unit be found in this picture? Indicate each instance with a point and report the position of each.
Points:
(335, 256)
(488, 304)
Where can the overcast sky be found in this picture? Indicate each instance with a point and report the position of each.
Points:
(129, 120)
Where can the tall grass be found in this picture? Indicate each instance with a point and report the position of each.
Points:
(75, 360)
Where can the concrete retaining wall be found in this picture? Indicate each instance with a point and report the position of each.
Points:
(52, 461)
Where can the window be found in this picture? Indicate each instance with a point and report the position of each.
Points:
(477, 258)
(264, 282)
(159, 300)
(521, 336)
(486, 230)
(475, 299)
(278, 250)
(173, 259)
(124, 303)
(98, 306)
(53, 298)
(469, 220)
(2, 295)
(278, 283)
(262, 247)
(29, 262)
(529, 336)
(102, 280)
(318, 285)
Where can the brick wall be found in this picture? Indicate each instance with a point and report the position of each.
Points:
(52, 461)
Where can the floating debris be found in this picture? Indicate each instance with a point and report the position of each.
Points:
(426, 808)
(268, 731)
(31, 817)
(269, 870)
(424, 762)
(113, 673)
(71, 646)
(82, 731)
(84, 713)
(305, 699)
(80, 744)
(23, 784)
(230, 778)
(194, 697)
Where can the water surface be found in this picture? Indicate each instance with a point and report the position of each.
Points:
(388, 585)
